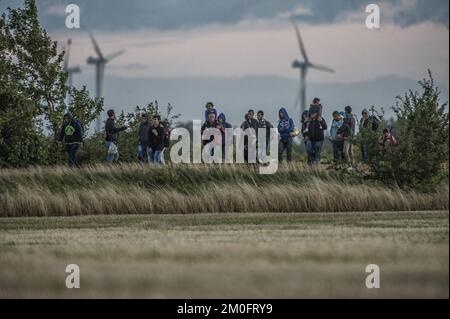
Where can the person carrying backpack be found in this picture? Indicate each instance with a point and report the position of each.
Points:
(71, 135)
(388, 140)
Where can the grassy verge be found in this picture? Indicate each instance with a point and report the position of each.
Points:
(133, 189)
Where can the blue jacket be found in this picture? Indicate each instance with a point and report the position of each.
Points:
(285, 126)
(335, 126)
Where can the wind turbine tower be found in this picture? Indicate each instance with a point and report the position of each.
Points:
(304, 67)
(70, 70)
(100, 62)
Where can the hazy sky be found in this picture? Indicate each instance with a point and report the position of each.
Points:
(237, 38)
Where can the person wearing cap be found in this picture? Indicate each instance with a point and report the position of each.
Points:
(71, 135)
(144, 127)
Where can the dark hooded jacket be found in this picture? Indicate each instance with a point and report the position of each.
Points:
(156, 137)
(316, 130)
(71, 132)
(285, 126)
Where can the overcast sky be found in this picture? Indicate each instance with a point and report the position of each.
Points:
(237, 38)
(176, 38)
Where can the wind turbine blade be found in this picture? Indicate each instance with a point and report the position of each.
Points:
(300, 41)
(321, 67)
(96, 47)
(114, 55)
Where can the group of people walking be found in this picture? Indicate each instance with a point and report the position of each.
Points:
(154, 134)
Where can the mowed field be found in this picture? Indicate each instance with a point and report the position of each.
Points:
(227, 255)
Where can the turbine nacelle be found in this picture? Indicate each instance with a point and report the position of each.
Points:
(299, 65)
(94, 60)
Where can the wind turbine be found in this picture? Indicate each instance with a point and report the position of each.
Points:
(70, 70)
(100, 61)
(304, 67)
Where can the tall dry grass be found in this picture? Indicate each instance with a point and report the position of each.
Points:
(317, 195)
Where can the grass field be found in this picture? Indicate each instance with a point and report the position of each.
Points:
(251, 255)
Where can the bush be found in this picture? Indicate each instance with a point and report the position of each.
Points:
(419, 160)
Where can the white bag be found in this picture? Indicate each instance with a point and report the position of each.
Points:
(112, 148)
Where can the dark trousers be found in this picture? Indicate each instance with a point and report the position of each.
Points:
(338, 150)
(72, 150)
(285, 145)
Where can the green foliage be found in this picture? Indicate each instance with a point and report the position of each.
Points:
(17, 116)
(83, 108)
(422, 128)
(33, 91)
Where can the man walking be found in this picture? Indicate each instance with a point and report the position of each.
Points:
(156, 141)
(112, 134)
(317, 126)
(368, 125)
(350, 121)
(263, 146)
(337, 140)
(143, 132)
(71, 135)
(285, 128)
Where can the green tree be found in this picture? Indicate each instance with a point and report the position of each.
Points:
(422, 129)
(34, 85)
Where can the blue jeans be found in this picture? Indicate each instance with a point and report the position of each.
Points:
(111, 158)
(142, 153)
(71, 150)
(156, 156)
(314, 149)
